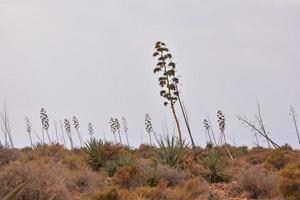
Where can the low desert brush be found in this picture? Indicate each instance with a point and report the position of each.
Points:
(289, 182)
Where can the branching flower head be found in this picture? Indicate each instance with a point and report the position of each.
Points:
(166, 69)
(44, 119)
(91, 129)
(206, 124)
(28, 125)
(221, 120)
(67, 127)
(75, 122)
(125, 124)
(148, 123)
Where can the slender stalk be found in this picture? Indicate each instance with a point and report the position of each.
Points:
(293, 114)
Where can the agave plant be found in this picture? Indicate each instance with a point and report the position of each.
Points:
(93, 151)
(110, 168)
(170, 151)
(216, 166)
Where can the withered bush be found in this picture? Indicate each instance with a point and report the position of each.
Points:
(109, 194)
(278, 159)
(256, 182)
(129, 176)
(172, 176)
(7, 155)
(289, 182)
(45, 180)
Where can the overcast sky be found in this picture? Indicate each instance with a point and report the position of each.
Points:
(93, 59)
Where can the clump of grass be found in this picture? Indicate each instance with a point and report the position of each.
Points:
(170, 151)
(216, 166)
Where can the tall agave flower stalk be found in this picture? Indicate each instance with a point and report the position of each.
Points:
(68, 131)
(207, 128)
(125, 129)
(148, 126)
(6, 128)
(45, 123)
(91, 130)
(56, 132)
(113, 128)
(118, 127)
(76, 126)
(62, 133)
(221, 122)
(29, 129)
(293, 115)
(168, 81)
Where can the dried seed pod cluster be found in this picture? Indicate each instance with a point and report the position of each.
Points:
(44, 119)
(206, 124)
(75, 122)
(221, 120)
(91, 129)
(28, 125)
(167, 74)
(148, 123)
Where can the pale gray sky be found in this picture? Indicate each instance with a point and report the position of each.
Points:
(93, 59)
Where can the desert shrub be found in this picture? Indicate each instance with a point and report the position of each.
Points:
(278, 159)
(84, 181)
(129, 176)
(198, 170)
(56, 151)
(98, 152)
(256, 182)
(195, 187)
(109, 194)
(74, 162)
(257, 156)
(216, 165)
(7, 155)
(45, 180)
(171, 176)
(289, 182)
(145, 151)
(170, 151)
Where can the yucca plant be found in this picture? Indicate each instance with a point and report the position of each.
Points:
(216, 166)
(170, 151)
(93, 151)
